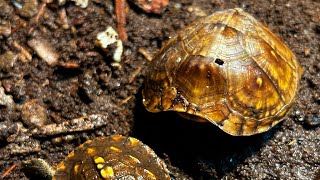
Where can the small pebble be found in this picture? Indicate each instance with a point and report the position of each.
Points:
(44, 50)
(5, 30)
(7, 60)
(307, 52)
(6, 9)
(80, 3)
(34, 114)
(64, 139)
(313, 120)
(28, 8)
(6, 130)
(299, 115)
(6, 100)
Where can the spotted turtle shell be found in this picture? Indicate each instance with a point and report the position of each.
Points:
(228, 69)
(112, 157)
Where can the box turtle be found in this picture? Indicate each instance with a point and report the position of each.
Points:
(228, 69)
(111, 157)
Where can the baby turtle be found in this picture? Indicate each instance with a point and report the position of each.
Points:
(111, 157)
(228, 69)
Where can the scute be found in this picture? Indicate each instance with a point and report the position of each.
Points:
(228, 69)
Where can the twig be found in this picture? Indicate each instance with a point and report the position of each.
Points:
(41, 11)
(63, 18)
(134, 74)
(121, 19)
(8, 170)
(145, 53)
(124, 101)
(25, 53)
(69, 65)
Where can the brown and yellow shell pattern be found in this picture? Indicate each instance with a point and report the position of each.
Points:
(112, 157)
(228, 69)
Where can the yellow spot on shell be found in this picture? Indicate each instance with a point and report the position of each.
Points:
(117, 137)
(61, 167)
(259, 81)
(91, 151)
(267, 113)
(133, 141)
(107, 172)
(136, 160)
(273, 112)
(115, 149)
(150, 174)
(98, 160)
(259, 104)
(100, 166)
(71, 154)
(76, 169)
(245, 112)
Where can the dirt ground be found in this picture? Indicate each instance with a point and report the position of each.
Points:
(84, 82)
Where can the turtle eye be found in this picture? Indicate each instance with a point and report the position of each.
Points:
(219, 62)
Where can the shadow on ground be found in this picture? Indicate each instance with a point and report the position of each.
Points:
(201, 149)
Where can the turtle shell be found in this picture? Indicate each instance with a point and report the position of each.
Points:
(228, 69)
(112, 157)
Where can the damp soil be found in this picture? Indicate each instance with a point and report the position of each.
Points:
(85, 82)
